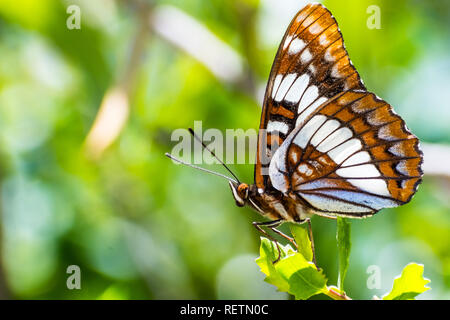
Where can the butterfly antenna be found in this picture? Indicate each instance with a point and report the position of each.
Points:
(214, 155)
(200, 168)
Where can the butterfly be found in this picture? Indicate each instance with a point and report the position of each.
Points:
(326, 145)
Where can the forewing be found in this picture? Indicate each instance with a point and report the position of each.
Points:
(311, 66)
(352, 157)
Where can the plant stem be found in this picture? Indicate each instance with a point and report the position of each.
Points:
(344, 246)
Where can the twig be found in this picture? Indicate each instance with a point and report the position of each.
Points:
(436, 159)
(194, 38)
(115, 108)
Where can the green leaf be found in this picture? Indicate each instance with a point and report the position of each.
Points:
(301, 237)
(292, 273)
(409, 284)
(268, 253)
(344, 246)
(302, 276)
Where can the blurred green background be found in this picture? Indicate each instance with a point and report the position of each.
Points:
(101, 195)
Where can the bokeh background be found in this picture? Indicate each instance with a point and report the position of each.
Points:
(86, 117)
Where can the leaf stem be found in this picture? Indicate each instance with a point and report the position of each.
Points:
(334, 294)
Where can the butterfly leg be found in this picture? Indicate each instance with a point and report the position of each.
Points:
(269, 224)
(284, 236)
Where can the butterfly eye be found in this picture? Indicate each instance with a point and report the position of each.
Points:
(243, 191)
(240, 193)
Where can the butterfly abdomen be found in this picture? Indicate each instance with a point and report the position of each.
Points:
(276, 205)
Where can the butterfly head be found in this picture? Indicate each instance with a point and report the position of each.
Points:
(240, 193)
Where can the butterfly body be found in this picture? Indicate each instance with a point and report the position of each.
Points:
(272, 204)
(326, 145)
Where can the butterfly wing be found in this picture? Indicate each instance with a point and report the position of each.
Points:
(352, 157)
(310, 67)
(343, 151)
